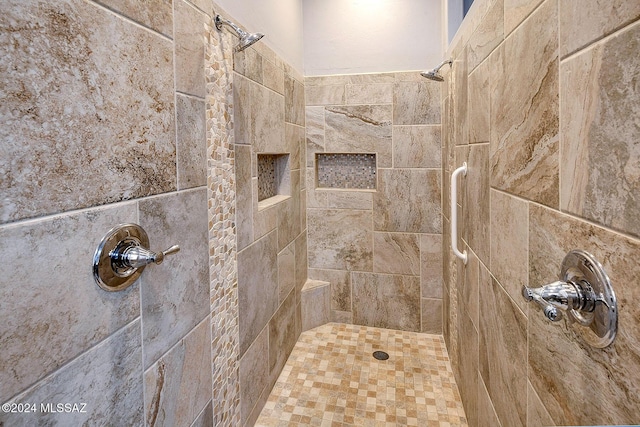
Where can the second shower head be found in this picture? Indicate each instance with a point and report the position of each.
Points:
(435, 73)
(246, 39)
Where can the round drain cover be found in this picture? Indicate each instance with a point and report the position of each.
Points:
(380, 355)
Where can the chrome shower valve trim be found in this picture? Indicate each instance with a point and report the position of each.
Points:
(583, 292)
(122, 255)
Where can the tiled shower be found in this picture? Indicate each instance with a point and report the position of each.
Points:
(118, 112)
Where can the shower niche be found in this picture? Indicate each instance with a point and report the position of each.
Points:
(346, 171)
(274, 179)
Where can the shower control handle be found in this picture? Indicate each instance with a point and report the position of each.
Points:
(122, 255)
(560, 295)
(135, 256)
(584, 295)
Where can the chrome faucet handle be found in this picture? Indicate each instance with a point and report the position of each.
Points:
(585, 294)
(136, 256)
(549, 310)
(122, 255)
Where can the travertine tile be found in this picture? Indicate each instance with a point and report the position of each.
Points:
(175, 294)
(474, 279)
(301, 261)
(289, 214)
(537, 415)
(178, 386)
(475, 201)
(340, 283)
(107, 378)
(191, 142)
(360, 129)
(249, 63)
(155, 14)
(431, 265)
(189, 49)
(486, 412)
(294, 101)
(515, 11)
(503, 354)
(431, 316)
(294, 136)
(350, 199)
(585, 22)
(225, 404)
(315, 199)
(600, 165)
(510, 244)
(242, 102)
(396, 253)
(314, 132)
(50, 304)
(479, 104)
(416, 102)
(386, 301)
(315, 81)
(408, 201)
(524, 126)
(332, 379)
(316, 304)
(340, 239)
(273, 76)
(488, 34)
(342, 316)
(612, 386)
(257, 287)
(286, 271)
(205, 418)
(468, 339)
(76, 101)
(325, 95)
(282, 334)
(244, 196)
(374, 78)
(417, 146)
(254, 374)
(372, 93)
(459, 76)
(267, 120)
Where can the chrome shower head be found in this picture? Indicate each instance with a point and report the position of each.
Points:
(435, 73)
(246, 39)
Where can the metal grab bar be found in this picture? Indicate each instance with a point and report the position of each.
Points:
(454, 212)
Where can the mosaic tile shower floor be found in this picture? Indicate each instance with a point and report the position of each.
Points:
(331, 379)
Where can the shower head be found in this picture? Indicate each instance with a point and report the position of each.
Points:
(246, 39)
(435, 73)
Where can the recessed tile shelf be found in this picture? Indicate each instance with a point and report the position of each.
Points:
(274, 181)
(353, 171)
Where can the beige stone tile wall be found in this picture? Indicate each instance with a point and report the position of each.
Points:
(268, 101)
(380, 250)
(548, 93)
(108, 116)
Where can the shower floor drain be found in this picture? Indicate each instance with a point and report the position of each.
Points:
(380, 355)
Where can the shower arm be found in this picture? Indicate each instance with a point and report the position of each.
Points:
(221, 21)
(442, 64)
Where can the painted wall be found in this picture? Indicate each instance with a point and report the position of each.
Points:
(280, 21)
(363, 36)
(543, 105)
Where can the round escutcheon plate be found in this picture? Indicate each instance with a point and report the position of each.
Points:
(598, 327)
(108, 275)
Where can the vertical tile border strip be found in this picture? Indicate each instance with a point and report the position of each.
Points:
(222, 233)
